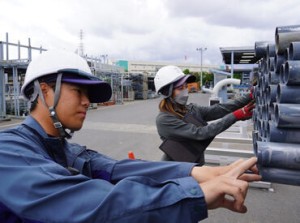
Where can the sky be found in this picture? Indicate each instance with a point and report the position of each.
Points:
(146, 30)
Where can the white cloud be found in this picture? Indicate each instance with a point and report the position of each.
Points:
(169, 30)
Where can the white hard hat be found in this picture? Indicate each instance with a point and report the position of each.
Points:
(168, 75)
(57, 61)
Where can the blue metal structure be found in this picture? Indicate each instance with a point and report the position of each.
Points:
(14, 68)
(2, 86)
(12, 72)
(218, 76)
(241, 59)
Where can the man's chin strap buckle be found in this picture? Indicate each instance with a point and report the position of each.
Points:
(57, 124)
(69, 134)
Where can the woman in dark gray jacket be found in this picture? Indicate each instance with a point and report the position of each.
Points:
(184, 128)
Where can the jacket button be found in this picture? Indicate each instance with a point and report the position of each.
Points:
(193, 191)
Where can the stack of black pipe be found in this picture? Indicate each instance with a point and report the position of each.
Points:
(276, 134)
(139, 85)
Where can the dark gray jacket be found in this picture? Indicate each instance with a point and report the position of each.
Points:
(171, 127)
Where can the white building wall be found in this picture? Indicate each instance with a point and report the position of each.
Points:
(151, 68)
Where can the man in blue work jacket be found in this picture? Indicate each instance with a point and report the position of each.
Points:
(44, 178)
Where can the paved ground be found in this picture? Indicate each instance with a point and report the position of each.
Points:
(114, 130)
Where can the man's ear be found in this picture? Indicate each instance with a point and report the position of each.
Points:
(45, 88)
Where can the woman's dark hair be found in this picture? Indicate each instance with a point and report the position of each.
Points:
(166, 105)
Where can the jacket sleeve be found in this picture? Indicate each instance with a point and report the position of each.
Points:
(112, 170)
(171, 127)
(209, 113)
(38, 189)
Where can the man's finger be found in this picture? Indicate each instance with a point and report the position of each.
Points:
(237, 190)
(250, 177)
(230, 205)
(241, 168)
(254, 169)
(237, 162)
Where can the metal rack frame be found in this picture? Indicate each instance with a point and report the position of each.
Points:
(14, 65)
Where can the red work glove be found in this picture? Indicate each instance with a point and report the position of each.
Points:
(254, 83)
(245, 112)
(252, 92)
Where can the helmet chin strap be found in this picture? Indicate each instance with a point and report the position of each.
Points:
(57, 124)
(169, 93)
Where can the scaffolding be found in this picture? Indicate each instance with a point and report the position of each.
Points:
(12, 72)
(109, 73)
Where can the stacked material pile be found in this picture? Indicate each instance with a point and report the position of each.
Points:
(276, 118)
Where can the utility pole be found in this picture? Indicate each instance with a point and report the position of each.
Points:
(105, 58)
(81, 46)
(201, 49)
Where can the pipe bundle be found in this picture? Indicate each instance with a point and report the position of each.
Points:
(276, 118)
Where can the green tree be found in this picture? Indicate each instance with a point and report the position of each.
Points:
(207, 77)
(197, 75)
(186, 71)
(237, 76)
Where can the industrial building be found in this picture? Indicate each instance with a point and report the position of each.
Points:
(151, 67)
(275, 130)
(129, 79)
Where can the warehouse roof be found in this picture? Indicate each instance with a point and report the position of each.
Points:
(242, 55)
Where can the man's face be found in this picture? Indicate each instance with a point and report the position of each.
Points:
(72, 106)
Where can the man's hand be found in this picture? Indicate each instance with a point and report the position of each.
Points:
(228, 190)
(204, 173)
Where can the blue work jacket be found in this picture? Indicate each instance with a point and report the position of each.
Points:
(46, 179)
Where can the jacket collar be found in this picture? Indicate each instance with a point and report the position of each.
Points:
(32, 123)
(54, 146)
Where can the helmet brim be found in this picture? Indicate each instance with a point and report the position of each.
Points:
(186, 79)
(99, 91)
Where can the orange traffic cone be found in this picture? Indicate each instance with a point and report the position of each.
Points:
(131, 155)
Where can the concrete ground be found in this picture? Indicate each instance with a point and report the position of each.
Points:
(115, 130)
